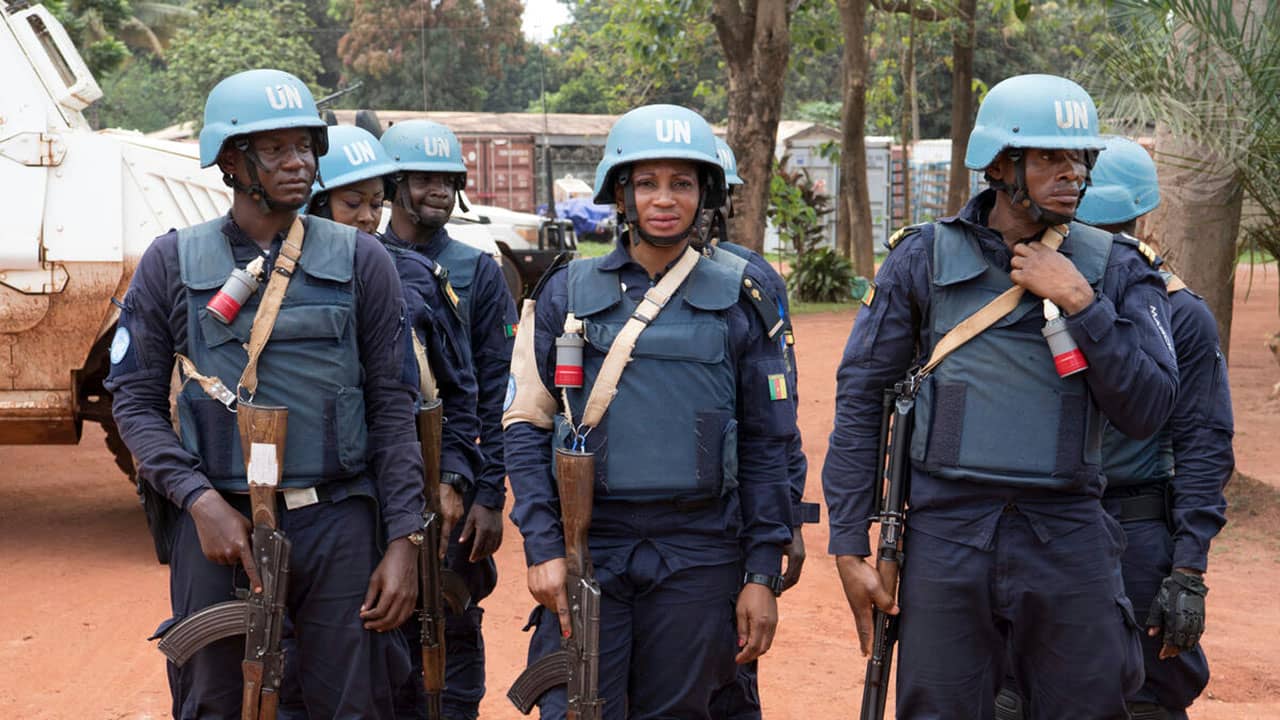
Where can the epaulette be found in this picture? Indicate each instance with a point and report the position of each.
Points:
(1145, 250)
(442, 277)
(766, 307)
(901, 235)
(560, 262)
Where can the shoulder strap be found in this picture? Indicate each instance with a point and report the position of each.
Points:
(989, 314)
(655, 299)
(265, 321)
(1173, 284)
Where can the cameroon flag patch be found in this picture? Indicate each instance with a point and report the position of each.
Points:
(777, 387)
(510, 329)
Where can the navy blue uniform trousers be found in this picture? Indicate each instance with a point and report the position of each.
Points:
(1173, 683)
(337, 668)
(1045, 602)
(679, 626)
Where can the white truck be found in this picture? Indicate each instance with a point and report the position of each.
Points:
(79, 207)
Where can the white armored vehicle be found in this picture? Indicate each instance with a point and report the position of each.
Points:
(79, 208)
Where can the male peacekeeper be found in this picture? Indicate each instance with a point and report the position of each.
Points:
(689, 441)
(430, 178)
(1166, 491)
(351, 486)
(358, 173)
(1009, 552)
(741, 699)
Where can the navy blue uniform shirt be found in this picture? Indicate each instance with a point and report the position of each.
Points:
(437, 325)
(1132, 378)
(491, 336)
(762, 505)
(797, 464)
(1201, 428)
(155, 314)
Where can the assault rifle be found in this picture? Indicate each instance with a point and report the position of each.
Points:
(576, 664)
(259, 616)
(430, 586)
(897, 414)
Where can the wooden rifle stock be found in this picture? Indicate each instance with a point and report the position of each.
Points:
(262, 440)
(430, 570)
(575, 478)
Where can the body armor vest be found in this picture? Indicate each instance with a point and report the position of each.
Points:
(673, 419)
(461, 260)
(995, 411)
(311, 364)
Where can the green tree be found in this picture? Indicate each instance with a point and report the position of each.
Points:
(227, 40)
(412, 54)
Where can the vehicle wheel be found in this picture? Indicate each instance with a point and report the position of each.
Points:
(511, 275)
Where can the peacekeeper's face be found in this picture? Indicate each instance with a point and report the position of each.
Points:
(1054, 177)
(666, 195)
(286, 164)
(432, 195)
(358, 204)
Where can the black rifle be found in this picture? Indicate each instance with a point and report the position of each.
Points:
(892, 487)
(430, 587)
(576, 664)
(259, 616)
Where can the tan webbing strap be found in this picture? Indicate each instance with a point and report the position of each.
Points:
(426, 378)
(530, 400)
(989, 314)
(269, 308)
(606, 385)
(212, 386)
(1175, 284)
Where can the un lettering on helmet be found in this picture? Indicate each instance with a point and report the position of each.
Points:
(284, 96)
(726, 159)
(674, 131)
(1071, 114)
(359, 153)
(436, 147)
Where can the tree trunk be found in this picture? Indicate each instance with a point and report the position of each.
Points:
(854, 236)
(1198, 221)
(756, 38)
(961, 103)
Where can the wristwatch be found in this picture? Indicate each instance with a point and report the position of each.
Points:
(773, 582)
(456, 481)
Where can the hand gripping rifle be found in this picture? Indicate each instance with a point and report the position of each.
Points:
(576, 663)
(259, 616)
(897, 415)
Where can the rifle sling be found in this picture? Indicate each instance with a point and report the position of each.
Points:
(989, 314)
(655, 299)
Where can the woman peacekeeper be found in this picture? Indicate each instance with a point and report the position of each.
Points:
(690, 480)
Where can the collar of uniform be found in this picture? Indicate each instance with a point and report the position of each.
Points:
(974, 216)
(620, 257)
(237, 236)
(431, 248)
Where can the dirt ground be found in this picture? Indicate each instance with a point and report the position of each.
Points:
(81, 591)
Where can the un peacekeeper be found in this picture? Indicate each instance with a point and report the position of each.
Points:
(336, 359)
(1166, 491)
(430, 177)
(741, 699)
(1008, 545)
(690, 456)
(357, 171)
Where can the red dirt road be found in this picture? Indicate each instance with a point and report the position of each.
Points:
(81, 590)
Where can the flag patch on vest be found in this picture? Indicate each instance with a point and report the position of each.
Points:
(510, 329)
(777, 387)
(870, 294)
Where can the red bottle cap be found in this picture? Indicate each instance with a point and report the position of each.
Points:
(223, 307)
(569, 376)
(1070, 362)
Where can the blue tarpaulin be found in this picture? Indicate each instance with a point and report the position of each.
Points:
(587, 217)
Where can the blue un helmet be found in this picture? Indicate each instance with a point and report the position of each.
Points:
(424, 146)
(1124, 185)
(730, 163)
(354, 155)
(1033, 111)
(251, 102)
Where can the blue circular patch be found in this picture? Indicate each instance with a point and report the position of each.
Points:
(119, 345)
(511, 393)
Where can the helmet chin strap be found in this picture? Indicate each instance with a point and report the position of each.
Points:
(1021, 197)
(255, 188)
(632, 215)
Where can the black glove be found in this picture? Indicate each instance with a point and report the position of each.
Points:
(1179, 609)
